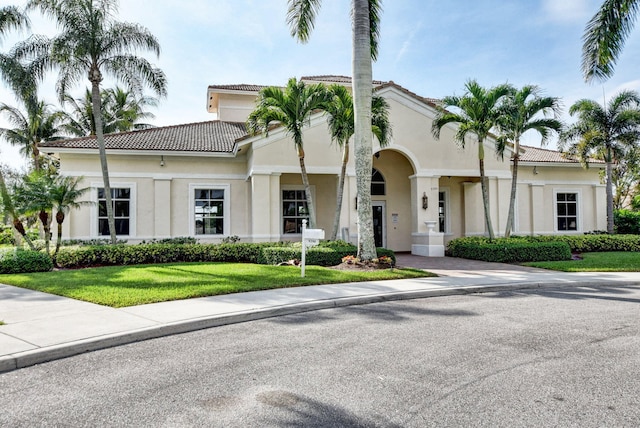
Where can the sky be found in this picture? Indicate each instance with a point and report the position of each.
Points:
(430, 47)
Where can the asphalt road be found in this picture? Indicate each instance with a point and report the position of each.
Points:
(562, 357)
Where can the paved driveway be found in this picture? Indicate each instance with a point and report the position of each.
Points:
(453, 266)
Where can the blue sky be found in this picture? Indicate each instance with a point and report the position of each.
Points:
(430, 47)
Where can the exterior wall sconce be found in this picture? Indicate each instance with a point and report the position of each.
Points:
(425, 201)
(161, 160)
(535, 170)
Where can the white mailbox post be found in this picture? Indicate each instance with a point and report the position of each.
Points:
(310, 238)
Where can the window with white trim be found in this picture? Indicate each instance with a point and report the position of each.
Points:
(208, 211)
(567, 211)
(294, 210)
(121, 203)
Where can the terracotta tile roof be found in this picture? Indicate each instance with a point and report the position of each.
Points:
(256, 88)
(434, 102)
(536, 154)
(334, 79)
(212, 136)
(239, 87)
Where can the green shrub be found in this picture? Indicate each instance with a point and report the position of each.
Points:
(23, 261)
(592, 243)
(512, 250)
(627, 222)
(260, 253)
(6, 235)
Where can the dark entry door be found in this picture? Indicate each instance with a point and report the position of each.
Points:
(378, 224)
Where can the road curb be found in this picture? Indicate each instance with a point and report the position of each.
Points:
(41, 355)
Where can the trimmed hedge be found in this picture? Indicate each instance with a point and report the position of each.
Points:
(261, 253)
(592, 243)
(588, 243)
(508, 250)
(22, 261)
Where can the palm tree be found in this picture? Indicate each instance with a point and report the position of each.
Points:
(365, 15)
(604, 133)
(341, 126)
(478, 112)
(37, 124)
(32, 197)
(126, 109)
(11, 18)
(10, 209)
(292, 108)
(17, 76)
(92, 43)
(64, 194)
(122, 111)
(605, 36)
(524, 110)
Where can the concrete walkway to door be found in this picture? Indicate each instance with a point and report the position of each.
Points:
(39, 327)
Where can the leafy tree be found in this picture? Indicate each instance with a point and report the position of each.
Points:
(341, 126)
(291, 107)
(604, 133)
(91, 43)
(605, 36)
(477, 112)
(365, 16)
(525, 110)
(625, 178)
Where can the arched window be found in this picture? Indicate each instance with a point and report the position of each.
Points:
(377, 183)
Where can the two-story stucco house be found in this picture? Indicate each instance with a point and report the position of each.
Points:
(210, 180)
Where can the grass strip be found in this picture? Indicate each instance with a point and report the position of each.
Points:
(120, 286)
(596, 262)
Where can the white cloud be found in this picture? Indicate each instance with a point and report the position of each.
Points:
(568, 11)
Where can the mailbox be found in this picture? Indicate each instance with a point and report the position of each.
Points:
(313, 234)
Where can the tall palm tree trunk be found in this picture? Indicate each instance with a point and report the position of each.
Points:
(59, 221)
(485, 191)
(609, 190)
(340, 190)
(363, 140)
(307, 188)
(512, 198)
(95, 78)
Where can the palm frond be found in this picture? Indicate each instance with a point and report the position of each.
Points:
(605, 35)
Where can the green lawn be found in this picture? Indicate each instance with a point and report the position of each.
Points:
(120, 286)
(596, 262)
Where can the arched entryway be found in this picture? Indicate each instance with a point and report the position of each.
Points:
(391, 199)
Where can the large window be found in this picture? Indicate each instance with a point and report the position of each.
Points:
(209, 207)
(121, 203)
(567, 211)
(294, 210)
(378, 187)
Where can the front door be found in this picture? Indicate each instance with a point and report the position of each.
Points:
(379, 225)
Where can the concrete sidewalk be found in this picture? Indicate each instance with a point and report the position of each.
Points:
(41, 327)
